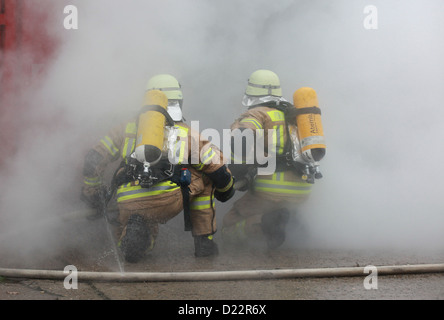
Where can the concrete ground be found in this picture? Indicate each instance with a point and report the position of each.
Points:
(85, 244)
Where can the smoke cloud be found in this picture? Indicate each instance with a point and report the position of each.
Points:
(380, 92)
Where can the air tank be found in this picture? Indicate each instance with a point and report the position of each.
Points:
(151, 128)
(308, 120)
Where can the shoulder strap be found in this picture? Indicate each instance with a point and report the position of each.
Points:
(283, 106)
(158, 108)
(295, 112)
(287, 108)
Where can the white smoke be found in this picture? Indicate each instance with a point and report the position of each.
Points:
(379, 92)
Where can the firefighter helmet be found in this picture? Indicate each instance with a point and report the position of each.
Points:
(172, 89)
(264, 83)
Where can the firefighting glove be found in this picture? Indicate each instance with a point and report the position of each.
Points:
(247, 180)
(224, 183)
(223, 195)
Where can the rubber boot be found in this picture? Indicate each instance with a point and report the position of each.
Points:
(205, 246)
(273, 226)
(136, 240)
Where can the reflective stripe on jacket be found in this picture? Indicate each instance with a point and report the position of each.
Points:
(120, 142)
(278, 184)
(283, 182)
(130, 192)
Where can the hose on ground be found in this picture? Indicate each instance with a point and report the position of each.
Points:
(222, 275)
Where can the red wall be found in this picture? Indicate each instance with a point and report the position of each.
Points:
(26, 49)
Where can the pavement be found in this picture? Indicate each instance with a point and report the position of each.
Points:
(86, 245)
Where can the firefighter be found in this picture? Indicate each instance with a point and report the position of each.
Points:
(143, 207)
(263, 212)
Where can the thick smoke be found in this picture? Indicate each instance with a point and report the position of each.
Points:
(379, 91)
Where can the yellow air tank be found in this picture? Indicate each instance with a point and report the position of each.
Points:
(311, 134)
(151, 126)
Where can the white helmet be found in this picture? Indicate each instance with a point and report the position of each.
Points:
(172, 89)
(264, 83)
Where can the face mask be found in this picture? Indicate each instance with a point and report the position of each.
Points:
(175, 110)
(249, 101)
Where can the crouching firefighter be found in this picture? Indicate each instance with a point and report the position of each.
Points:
(157, 178)
(262, 214)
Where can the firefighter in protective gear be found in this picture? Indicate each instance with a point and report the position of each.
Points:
(143, 208)
(264, 210)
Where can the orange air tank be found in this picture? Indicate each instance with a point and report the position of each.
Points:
(308, 120)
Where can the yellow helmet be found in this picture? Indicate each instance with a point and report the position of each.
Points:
(264, 83)
(172, 89)
(166, 83)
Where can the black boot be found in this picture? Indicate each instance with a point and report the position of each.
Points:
(205, 246)
(136, 240)
(273, 226)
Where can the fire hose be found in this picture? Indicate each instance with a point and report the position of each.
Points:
(222, 275)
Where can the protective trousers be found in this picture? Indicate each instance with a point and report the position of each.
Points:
(284, 190)
(159, 209)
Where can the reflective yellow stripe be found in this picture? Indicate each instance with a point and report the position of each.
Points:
(278, 132)
(240, 229)
(92, 181)
(179, 151)
(128, 147)
(198, 166)
(278, 185)
(127, 192)
(252, 121)
(109, 144)
(131, 128)
(227, 187)
(181, 145)
(276, 115)
(130, 142)
(207, 156)
(182, 132)
(278, 176)
(278, 138)
(202, 203)
(235, 232)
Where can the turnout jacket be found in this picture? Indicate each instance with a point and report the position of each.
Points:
(285, 183)
(190, 150)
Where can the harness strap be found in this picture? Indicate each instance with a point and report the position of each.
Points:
(158, 108)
